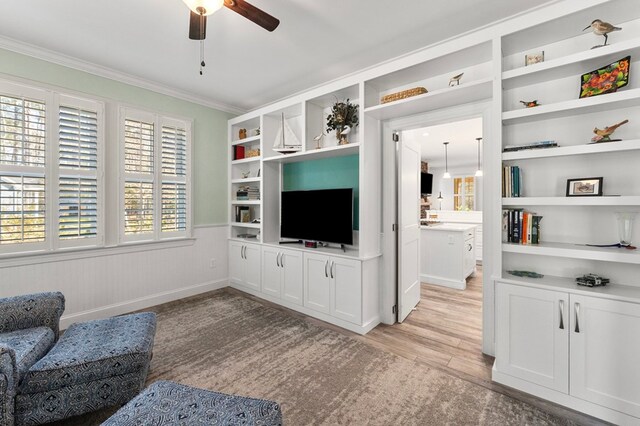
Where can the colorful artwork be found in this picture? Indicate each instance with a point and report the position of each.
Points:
(605, 80)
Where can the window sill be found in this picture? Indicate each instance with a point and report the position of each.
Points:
(38, 257)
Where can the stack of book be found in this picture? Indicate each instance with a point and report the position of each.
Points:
(248, 193)
(520, 227)
(511, 181)
(532, 145)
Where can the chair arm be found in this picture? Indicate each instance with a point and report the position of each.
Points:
(8, 375)
(32, 310)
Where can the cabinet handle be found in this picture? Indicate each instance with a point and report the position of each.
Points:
(245, 252)
(282, 260)
(326, 263)
(470, 247)
(278, 259)
(242, 252)
(562, 315)
(577, 309)
(333, 264)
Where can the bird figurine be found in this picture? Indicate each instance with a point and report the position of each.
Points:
(455, 79)
(604, 135)
(318, 140)
(530, 104)
(602, 28)
(343, 135)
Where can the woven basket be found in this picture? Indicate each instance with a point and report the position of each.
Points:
(403, 95)
(252, 153)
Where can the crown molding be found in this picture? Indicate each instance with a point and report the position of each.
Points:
(91, 68)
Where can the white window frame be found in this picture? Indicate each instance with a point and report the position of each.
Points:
(158, 120)
(464, 193)
(51, 170)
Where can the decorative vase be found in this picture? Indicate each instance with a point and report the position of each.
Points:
(342, 139)
(625, 227)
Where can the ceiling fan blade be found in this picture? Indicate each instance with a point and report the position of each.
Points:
(253, 14)
(197, 26)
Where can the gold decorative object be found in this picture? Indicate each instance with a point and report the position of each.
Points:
(252, 153)
(403, 95)
(242, 133)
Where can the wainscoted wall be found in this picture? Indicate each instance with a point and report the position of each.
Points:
(116, 283)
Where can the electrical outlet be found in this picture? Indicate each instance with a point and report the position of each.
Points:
(212, 263)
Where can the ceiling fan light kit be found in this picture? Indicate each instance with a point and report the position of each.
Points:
(204, 7)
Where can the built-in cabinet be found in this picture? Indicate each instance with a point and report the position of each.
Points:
(282, 274)
(580, 346)
(244, 264)
(333, 286)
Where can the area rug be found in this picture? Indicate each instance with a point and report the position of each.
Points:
(229, 343)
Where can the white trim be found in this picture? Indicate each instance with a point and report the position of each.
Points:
(444, 282)
(141, 303)
(210, 225)
(100, 71)
(42, 256)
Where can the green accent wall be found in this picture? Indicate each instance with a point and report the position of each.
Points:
(209, 125)
(328, 173)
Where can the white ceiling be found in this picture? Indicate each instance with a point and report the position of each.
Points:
(247, 67)
(461, 135)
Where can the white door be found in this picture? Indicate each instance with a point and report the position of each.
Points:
(409, 227)
(291, 262)
(236, 260)
(251, 265)
(605, 353)
(532, 339)
(346, 289)
(317, 283)
(271, 271)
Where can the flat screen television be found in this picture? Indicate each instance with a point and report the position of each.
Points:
(317, 215)
(426, 183)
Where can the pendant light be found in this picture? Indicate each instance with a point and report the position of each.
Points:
(479, 171)
(446, 174)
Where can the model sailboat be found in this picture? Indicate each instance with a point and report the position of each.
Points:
(286, 141)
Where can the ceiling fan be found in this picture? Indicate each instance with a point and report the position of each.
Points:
(200, 9)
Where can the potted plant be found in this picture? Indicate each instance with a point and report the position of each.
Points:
(343, 118)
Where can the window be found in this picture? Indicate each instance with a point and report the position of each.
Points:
(464, 193)
(155, 170)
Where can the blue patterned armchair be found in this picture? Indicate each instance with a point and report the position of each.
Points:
(93, 365)
(29, 327)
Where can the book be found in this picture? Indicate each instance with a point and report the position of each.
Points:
(238, 152)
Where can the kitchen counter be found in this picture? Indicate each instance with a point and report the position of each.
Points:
(447, 254)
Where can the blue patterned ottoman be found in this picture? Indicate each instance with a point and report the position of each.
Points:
(170, 403)
(95, 364)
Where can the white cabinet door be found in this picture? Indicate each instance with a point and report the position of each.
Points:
(605, 353)
(292, 279)
(346, 289)
(251, 265)
(532, 339)
(317, 283)
(236, 261)
(271, 272)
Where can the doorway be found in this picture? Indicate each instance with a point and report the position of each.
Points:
(462, 201)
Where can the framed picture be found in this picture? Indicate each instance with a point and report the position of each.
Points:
(245, 216)
(533, 58)
(605, 80)
(584, 187)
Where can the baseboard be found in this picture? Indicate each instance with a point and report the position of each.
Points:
(444, 282)
(141, 303)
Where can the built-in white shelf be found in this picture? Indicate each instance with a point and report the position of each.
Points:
(621, 99)
(442, 98)
(577, 63)
(245, 202)
(246, 160)
(246, 140)
(246, 180)
(548, 282)
(606, 254)
(594, 148)
(317, 154)
(572, 201)
(246, 225)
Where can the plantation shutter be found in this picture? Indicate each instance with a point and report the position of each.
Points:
(23, 140)
(139, 168)
(174, 177)
(78, 159)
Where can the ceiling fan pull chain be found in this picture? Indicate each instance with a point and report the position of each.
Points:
(202, 64)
